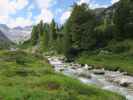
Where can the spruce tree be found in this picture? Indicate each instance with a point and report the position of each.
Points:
(81, 26)
(124, 18)
(34, 35)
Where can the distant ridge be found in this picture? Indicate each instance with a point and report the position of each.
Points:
(17, 34)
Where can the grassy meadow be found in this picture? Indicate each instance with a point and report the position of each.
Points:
(119, 57)
(30, 77)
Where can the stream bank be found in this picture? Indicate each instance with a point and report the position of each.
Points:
(109, 80)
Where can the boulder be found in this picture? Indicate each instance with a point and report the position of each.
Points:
(82, 73)
(61, 69)
(125, 81)
(82, 65)
(88, 67)
(124, 84)
(86, 75)
(74, 67)
(99, 71)
(122, 80)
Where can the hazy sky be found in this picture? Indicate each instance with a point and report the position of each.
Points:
(27, 12)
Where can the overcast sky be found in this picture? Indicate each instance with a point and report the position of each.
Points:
(28, 12)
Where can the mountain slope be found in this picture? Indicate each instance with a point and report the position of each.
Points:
(17, 34)
(107, 13)
(4, 41)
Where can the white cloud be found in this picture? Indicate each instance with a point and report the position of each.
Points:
(65, 16)
(4, 10)
(46, 14)
(8, 7)
(20, 21)
(3, 19)
(44, 4)
(114, 1)
(19, 4)
(92, 4)
(83, 1)
(96, 5)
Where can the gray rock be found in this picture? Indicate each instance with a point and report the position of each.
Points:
(124, 84)
(86, 75)
(83, 73)
(99, 71)
(88, 67)
(120, 79)
(130, 86)
(125, 81)
(74, 67)
(61, 70)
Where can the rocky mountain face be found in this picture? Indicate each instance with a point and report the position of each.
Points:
(17, 34)
(4, 41)
(107, 13)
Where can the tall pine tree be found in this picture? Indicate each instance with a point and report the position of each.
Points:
(124, 18)
(34, 35)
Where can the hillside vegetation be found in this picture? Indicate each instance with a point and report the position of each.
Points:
(112, 61)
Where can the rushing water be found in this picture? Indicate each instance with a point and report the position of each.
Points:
(99, 80)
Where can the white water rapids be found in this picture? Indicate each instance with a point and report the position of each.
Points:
(89, 77)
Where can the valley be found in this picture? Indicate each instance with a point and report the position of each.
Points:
(88, 57)
(16, 34)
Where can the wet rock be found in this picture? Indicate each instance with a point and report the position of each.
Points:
(65, 65)
(83, 73)
(110, 80)
(61, 58)
(82, 65)
(88, 67)
(61, 70)
(124, 84)
(77, 65)
(125, 73)
(74, 67)
(86, 75)
(114, 77)
(99, 71)
(120, 79)
(125, 81)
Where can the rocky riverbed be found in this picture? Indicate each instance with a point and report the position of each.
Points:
(108, 80)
